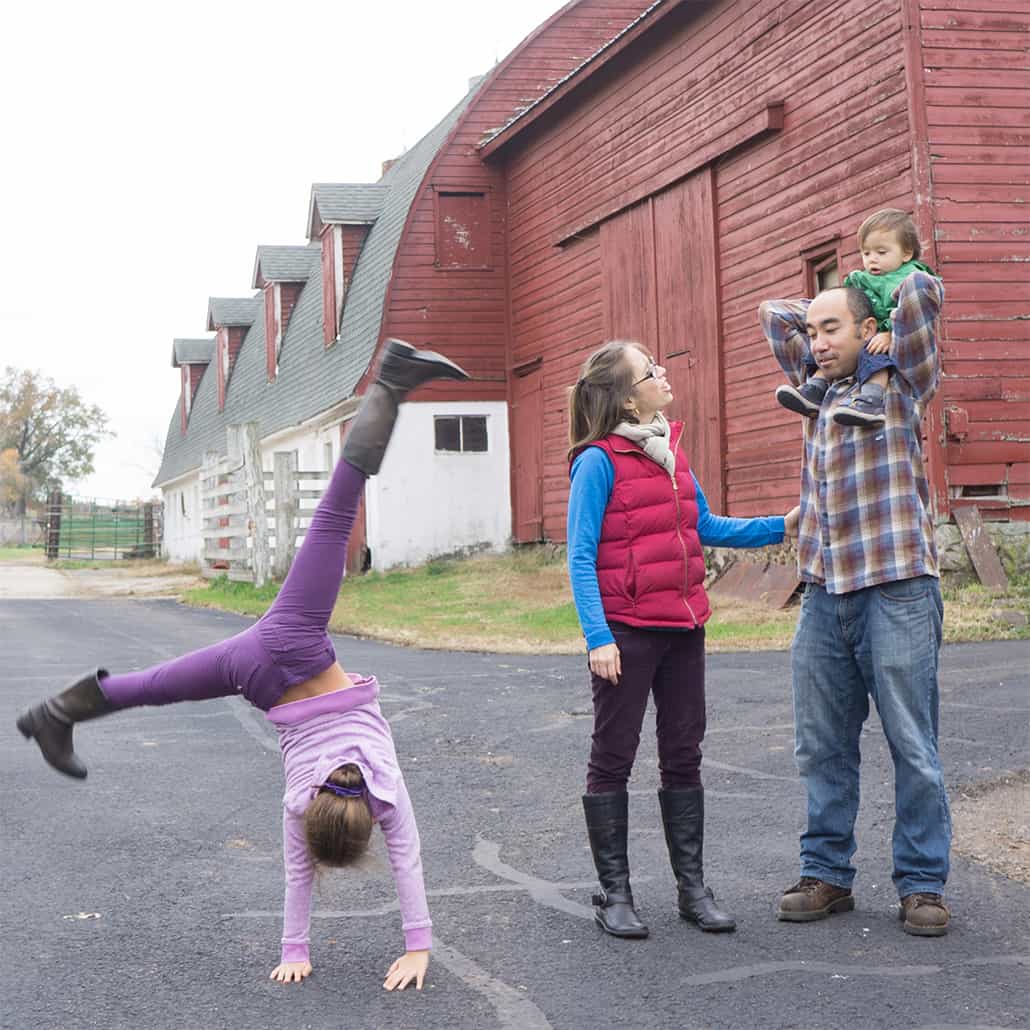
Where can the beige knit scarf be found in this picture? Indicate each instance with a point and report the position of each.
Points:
(654, 438)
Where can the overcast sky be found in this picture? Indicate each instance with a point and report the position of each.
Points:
(149, 148)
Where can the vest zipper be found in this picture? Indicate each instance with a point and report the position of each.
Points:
(683, 545)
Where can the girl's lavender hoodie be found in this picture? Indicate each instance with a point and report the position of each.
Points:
(317, 735)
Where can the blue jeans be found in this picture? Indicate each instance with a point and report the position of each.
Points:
(883, 642)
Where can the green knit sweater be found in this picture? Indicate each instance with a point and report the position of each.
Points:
(880, 288)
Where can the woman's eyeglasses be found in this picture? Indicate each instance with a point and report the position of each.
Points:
(652, 373)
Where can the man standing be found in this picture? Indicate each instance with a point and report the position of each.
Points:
(871, 614)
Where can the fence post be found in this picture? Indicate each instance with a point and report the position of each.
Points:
(286, 505)
(53, 524)
(254, 478)
(149, 548)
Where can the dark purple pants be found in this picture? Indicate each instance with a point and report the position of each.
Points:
(670, 665)
(287, 645)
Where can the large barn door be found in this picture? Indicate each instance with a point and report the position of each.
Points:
(686, 266)
(627, 270)
(528, 445)
(659, 274)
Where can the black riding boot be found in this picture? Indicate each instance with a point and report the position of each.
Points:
(607, 826)
(683, 813)
(51, 722)
(402, 369)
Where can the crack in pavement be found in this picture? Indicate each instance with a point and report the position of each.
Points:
(735, 973)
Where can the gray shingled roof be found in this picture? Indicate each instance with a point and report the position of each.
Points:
(345, 202)
(312, 379)
(232, 311)
(192, 352)
(284, 264)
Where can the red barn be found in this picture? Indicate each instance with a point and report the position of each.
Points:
(655, 172)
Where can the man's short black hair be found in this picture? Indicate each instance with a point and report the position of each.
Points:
(859, 305)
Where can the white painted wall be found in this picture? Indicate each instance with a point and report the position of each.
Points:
(426, 503)
(181, 535)
(422, 504)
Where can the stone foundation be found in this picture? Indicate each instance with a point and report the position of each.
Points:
(1012, 540)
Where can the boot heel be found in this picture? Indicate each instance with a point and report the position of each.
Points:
(25, 725)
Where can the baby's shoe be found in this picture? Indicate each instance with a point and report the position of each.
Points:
(863, 410)
(805, 399)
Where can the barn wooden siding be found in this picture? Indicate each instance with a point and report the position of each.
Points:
(976, 82)
(725, 197)
(450, 279)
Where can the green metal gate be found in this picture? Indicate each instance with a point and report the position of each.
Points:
(94, 531)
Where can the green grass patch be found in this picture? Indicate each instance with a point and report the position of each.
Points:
(21, 554)
(521, 603)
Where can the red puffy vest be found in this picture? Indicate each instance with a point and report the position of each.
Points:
(650, 566)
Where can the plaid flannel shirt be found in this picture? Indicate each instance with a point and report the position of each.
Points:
(865, 502)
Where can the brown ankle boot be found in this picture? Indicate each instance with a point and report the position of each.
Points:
(924, 915)
(811, 899)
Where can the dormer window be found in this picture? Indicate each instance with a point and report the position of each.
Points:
(191, 357)
(281, 273)
(229, 318)
(340, 217)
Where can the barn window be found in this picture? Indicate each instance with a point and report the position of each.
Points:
(460, 433)
(822, 266)
(462, 229)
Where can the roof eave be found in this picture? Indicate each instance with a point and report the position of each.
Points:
(555, 96)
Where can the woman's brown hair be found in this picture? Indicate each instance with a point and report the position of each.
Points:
(895, 221)
(338, 828)
(597, 401)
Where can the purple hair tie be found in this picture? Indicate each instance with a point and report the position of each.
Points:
(342, 792)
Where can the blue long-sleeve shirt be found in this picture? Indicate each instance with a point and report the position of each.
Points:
(593, 477)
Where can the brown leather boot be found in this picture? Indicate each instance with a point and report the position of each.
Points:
(51, 721)
(811, 899)
(924, 915)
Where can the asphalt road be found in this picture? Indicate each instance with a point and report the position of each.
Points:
(149, 896)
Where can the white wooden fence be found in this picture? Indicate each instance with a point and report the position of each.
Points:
(250, 518)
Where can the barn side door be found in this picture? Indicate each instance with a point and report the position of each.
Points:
(527, 441)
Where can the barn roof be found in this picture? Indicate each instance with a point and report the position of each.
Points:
(231, 311)
(311, 378)
(348, 203)
(528, 113)
(192, 352)
(283, 264)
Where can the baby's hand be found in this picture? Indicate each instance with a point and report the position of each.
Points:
(410, 966)
(291, 972)
(879, 344)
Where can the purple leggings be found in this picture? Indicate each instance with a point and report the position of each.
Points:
(287, 645)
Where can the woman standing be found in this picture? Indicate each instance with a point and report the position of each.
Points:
(637, 522)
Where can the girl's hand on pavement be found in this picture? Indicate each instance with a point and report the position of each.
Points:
(410, 966)
(291, 972)
(606, 662)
